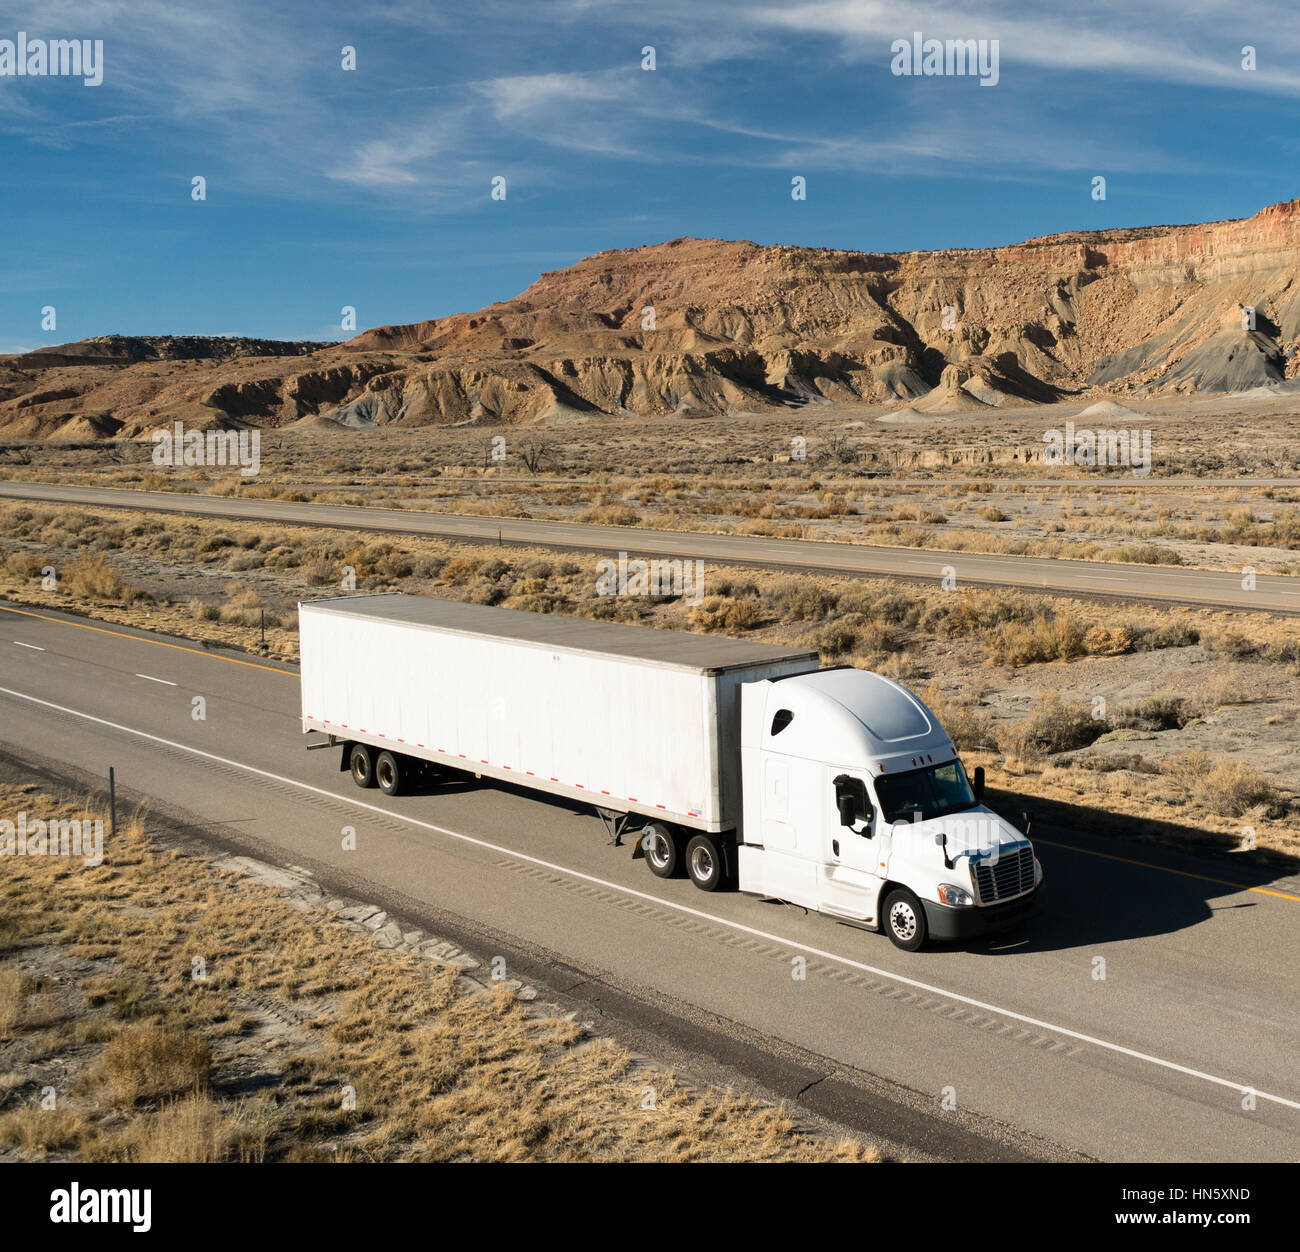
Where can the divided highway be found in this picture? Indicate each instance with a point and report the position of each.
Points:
(1274, 593)
(1185, 1050)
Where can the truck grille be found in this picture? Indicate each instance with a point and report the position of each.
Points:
(1012, 875)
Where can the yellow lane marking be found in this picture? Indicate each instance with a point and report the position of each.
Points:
(120, 634)
(1165, 869)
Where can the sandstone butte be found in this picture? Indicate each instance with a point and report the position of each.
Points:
(737, 327)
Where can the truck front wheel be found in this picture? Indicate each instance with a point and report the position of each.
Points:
(390, 773)
(904, 920)
(704, 862)
(362, 764)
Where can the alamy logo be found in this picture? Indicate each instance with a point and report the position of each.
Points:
(650, 578)
(53, 58)
(125, 1205)
(949, 58)
(60, 836)
(179, 446)
(1099, 447)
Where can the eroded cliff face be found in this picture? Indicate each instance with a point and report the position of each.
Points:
(707, 326)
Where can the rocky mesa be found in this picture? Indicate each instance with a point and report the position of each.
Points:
(696, 327)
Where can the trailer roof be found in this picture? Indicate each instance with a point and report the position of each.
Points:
(660, 647)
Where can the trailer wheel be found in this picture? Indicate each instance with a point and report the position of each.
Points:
(662, 846)
(705, 863)
(361, 762)
(904, 920)
(390, 773)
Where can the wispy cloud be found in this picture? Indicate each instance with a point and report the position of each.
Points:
(1197, 44)
(444, 98)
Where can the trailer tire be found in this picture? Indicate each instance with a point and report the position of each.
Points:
(662, 845)
(390, 773)
(361, 763)
(903, 919)
(705, 862)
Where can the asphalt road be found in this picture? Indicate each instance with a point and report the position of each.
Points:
(1153, 1062)
(1093, 579)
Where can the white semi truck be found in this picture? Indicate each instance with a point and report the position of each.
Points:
(734, 763)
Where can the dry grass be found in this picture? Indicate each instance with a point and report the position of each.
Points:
(198, 1130)
(156, 1065)
(90, 577)
(1049, 637)
(1226, 787)
(12, 986)
(149, 1062)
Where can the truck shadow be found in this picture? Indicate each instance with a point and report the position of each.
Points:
(456, 782)
(1149, 877)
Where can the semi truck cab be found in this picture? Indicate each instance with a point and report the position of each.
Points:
(856, 804)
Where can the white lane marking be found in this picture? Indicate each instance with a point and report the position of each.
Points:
(152, 679)
(33, 647)
(1117, 1048)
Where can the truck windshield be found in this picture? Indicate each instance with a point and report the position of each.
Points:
(921, 794)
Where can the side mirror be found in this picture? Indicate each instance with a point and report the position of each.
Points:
(852, 803)
(979, 782)
(941, 841)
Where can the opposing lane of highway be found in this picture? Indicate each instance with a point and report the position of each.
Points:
(1275, 593)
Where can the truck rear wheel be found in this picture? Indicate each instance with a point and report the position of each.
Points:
(704, 862)
(390, 773)
(361, 762)
(662, 846)
(904, 920)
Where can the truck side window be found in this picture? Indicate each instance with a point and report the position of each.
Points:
(782, 719)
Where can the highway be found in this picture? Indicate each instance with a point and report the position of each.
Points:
(1274, 593)
(1152, 1062)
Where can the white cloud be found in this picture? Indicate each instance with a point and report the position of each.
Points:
(253, 94)
(1158, 40)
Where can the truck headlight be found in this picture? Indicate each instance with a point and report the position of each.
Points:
(1038, 872)
(948, 894)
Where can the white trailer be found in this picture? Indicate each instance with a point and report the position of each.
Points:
(737, 763)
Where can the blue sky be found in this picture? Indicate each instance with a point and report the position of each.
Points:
(371, 187)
